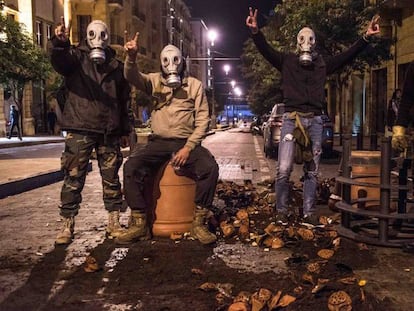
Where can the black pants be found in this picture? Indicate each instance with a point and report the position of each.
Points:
(17, 126)
(145, 162)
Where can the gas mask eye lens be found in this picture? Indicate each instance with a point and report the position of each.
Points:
(165, 61)
(176, 60)
(103, 35)
(301, 39)
(91, 34)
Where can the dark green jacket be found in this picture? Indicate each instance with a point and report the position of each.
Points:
(97, 96)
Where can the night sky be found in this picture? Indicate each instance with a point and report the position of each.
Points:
(228, 18)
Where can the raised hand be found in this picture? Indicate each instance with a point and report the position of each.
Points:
(251, 20)
(131, 46)
(373, 26)
(61, 32)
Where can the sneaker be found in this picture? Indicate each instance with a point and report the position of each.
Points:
(311, 220)
(281, 218)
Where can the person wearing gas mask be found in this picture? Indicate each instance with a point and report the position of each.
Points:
(303, 83)
(179, 122)
(95, 116)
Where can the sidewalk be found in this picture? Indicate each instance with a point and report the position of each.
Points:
(22, 174)
(19, 174)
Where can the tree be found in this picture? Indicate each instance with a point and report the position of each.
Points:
(21, 61)
(263, 78)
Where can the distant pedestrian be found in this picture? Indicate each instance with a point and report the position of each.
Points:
(393, 106)
(51, 121)
(95, 116)
(405, 117)
(14, 122)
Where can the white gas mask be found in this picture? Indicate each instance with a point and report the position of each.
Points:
(172, 65)
(97, 37)
(306, 42)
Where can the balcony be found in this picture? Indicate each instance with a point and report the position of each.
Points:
(397, 4)
(116, 2)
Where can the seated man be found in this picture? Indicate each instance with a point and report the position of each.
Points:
(179, 121)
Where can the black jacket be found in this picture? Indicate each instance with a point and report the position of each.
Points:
(14, 116)
(304, 86)
(97, 96)
(406, 108)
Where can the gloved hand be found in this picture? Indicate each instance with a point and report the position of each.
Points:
(399, 141)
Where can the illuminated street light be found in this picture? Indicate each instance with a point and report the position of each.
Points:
(226, 69)
(238, 91)
(212, 36)
(233, 84)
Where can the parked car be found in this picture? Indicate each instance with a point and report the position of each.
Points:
(264, 118)
(256, 126)
(271, 132)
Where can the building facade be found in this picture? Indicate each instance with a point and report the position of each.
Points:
(364, 102)
(159, 22)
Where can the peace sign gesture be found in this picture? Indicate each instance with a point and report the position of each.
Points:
(131, 46)
(251, 21)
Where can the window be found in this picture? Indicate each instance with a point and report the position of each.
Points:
(39, 33)
(48, 31)
(83, 22)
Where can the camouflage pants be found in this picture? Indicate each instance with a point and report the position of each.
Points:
(75, 159)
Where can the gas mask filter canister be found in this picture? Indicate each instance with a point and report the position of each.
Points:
(97, 37)
(172, 65)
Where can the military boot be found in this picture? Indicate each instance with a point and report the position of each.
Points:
(199, 228)
(65, 236)
(114, 228)
(137, 229)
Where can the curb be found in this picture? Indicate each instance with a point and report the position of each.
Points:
(30, 143)
(33, 182)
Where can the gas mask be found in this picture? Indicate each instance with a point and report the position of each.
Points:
(306, 45)
(172, 65)
(98, 39)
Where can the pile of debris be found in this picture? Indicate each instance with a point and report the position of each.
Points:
(315, 268)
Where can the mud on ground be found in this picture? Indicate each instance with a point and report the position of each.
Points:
(163, 274)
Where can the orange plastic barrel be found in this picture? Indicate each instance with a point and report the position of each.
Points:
(174, 205)
(366, 166)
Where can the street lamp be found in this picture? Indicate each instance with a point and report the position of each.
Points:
(237, 92)
(212, 36)
(226, 69)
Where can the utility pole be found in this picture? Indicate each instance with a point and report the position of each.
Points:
(170, 22)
